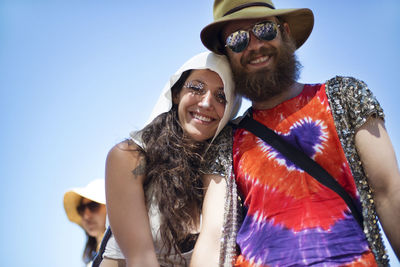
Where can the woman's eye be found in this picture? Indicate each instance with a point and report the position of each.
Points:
(221, 97)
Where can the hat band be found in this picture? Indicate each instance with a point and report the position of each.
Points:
(235, 9)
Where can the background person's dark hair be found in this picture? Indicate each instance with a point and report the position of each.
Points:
(90, 249)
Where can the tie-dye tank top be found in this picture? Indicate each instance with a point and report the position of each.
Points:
(291, 219)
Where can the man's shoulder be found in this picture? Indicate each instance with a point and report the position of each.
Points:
(235, 122)
(224, 136)
(344, 81)
(351, 96)
(346, 87)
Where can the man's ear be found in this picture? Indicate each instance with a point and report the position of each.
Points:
(286, 28)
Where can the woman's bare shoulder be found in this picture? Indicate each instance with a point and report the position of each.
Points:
(127, 152)
(126, 159)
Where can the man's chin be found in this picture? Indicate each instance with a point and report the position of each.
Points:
(258, 70)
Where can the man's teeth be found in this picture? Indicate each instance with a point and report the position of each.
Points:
(259, 60)
(202, 118)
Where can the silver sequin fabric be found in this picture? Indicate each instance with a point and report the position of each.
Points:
(219, 161)
(352, 103)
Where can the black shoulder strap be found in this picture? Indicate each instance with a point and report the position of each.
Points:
(99, 256)
(300, 159)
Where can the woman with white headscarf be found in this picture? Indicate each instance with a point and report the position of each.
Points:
(157, 180)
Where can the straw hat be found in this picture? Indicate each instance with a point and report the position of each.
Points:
(94, 191)
(300, 20)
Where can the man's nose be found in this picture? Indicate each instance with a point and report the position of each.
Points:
(254, 42)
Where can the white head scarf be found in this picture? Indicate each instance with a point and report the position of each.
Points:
(205, 60)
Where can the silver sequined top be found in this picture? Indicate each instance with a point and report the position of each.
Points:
(219, 161)
(352, 103)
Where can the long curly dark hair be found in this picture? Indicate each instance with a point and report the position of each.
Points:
(173, 162)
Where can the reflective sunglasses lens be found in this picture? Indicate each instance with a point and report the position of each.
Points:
(266, 31)
(238, 41)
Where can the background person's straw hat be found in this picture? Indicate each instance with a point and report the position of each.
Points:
(94, 191)
(300, 20)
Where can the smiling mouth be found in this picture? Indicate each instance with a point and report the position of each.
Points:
(202, 118)
(259, 60)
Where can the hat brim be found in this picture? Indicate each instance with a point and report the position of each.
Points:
(71, 202)
(301, 23)
(93, 191)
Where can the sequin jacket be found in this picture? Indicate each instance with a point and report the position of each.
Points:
(352, 103)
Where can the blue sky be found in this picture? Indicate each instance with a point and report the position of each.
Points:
(77, 76)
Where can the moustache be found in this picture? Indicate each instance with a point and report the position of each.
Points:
(262, 52)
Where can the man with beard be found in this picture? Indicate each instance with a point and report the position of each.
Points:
(290, 218)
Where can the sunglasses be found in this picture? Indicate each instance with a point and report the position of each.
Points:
(264, 31)
(92, 206)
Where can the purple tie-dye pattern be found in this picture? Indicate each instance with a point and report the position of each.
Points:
(306, 135)
(273, 245)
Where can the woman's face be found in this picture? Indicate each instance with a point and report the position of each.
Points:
(201, 104)
(93, 217)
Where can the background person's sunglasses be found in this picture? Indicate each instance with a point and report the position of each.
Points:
(238, 40)
(92, 206)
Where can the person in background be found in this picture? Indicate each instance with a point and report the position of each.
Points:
(86, 207)
(291, 219)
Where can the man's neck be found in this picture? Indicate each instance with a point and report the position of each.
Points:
(294, 90)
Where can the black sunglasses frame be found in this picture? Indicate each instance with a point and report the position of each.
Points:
(240, 46)
(93, 206)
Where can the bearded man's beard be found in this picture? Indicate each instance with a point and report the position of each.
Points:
(266, 83)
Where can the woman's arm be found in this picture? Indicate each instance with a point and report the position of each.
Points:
(126, 208)
(112, 263)
(207, 248)
(380, 166)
